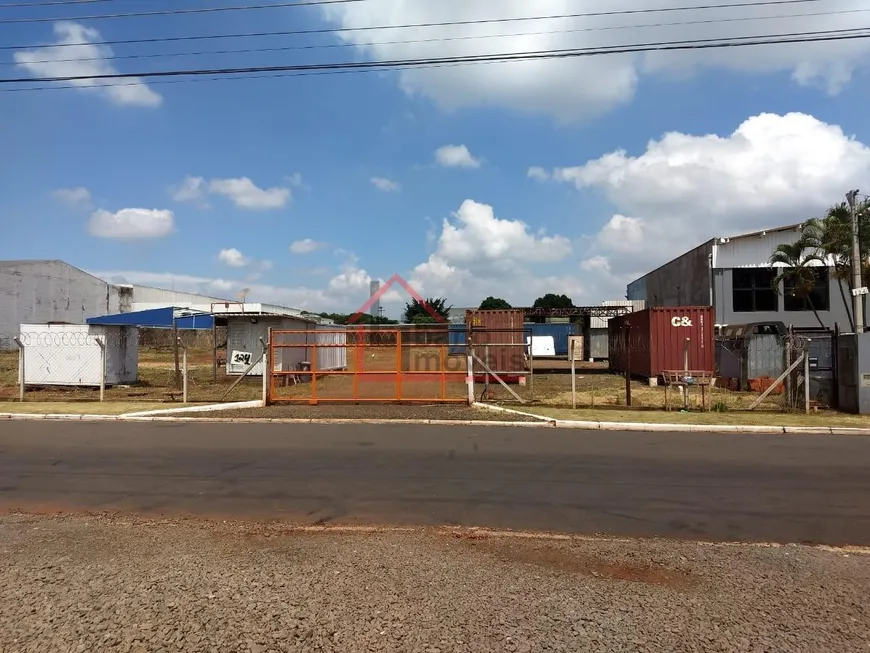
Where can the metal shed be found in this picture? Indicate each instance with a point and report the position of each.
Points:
(248, 328)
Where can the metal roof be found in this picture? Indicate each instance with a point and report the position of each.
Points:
(157, 318)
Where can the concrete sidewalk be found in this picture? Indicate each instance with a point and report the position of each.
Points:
(178, 415)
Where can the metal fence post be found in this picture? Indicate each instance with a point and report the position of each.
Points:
(102, 345)
(573, 377)
(184, 375)
(628, 363)
(21, 376)
(807, 377)
(469, 379)
(267, 370)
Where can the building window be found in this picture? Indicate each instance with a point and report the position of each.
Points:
(753, 290)
(818, 298)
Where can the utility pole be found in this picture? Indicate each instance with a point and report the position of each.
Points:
(858, 289)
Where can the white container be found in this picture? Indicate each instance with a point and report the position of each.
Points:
(69, 354)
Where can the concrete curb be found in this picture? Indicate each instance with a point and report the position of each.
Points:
(543, 423)
(256, 403)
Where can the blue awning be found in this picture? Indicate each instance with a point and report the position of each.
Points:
(157, 318)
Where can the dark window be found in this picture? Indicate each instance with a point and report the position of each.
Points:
(753, 291)
(796, 299)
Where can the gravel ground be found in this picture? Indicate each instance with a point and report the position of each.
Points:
(380, 411)
(121, 584)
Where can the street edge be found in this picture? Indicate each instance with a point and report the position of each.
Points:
(542, 423)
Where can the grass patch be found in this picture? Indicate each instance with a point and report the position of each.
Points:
(82, 407)
(745, 418)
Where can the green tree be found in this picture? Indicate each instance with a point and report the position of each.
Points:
(427, 308)
(831, 236)
(553, 301)
(494, 303)
(796, 263)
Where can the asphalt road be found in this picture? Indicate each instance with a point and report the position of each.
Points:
(723, 487)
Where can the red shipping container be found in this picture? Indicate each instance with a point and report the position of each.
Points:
(650, 342)
(500, 334)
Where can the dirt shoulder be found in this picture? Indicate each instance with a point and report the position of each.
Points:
(459, 412)
(128, 584)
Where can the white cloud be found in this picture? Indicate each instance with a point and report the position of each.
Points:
(583, 87)
(537, 172)
(246, 195)
(455, 156)
(233, 257)
(596, 264)
(75, 197)
(305, 246)
(685, 189)
(192, 189)
(477, 236)
(295, 180)
(44, 62)
(132, 224)
(386, 185)
(478, 254)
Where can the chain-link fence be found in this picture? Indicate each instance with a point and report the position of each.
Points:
(750, 374)
(82, 363)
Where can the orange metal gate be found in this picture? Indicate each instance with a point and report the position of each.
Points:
(365, 364)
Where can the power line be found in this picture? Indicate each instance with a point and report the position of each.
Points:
(325, 30)
(439, 39)
(203, 10)
(178, 12)
(697, 44)
(49, 3)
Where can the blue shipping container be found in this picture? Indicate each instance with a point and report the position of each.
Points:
(457, 339)
(560, 333)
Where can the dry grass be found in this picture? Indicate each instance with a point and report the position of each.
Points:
(79, 407)
(156, 383)
(598, 388)
(745, 418)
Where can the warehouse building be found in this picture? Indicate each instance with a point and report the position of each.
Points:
(733, 274)
(51, 291)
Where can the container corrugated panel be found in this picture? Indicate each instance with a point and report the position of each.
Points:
(559, 332)
(596, 347)
(331, 358)
(457, 339)
(650, 342)
(500, 335)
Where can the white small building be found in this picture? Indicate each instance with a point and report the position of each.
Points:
(248, 326)
(72, 354)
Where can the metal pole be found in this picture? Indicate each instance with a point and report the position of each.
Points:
(628, 363)
(857, 285)
(21, 376)
(686, 373)
(807, 378)
(175, 352)
(469, 366)
(573, 379)
(267, 370)
(183, 371)
(102, 346)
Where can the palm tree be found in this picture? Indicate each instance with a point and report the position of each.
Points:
(797, 269)
(831, 237)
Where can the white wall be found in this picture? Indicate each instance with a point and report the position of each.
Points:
(36, 292)
(69, 354)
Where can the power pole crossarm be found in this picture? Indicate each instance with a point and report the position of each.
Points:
(857, 284)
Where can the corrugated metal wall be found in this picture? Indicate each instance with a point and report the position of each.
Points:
(331, 358)
(559, 332)
(656, 338)
(500, 333)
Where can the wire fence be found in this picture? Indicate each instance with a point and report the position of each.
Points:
(76, 363)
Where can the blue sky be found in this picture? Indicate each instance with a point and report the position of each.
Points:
(552, 177)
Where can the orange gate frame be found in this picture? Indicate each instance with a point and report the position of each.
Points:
(358, 373)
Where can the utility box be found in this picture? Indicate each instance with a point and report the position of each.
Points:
(853, 372)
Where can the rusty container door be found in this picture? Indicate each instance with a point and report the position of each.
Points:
(671, 327)
(499, 335)
(629, 343)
